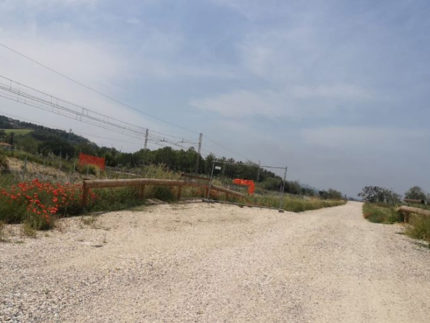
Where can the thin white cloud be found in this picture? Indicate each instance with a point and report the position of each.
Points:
(297, 101)
(365, 138)
(336, 91)
(44, 4)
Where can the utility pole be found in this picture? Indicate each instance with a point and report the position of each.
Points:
(146, 139)
(198, 152)
(281, 192)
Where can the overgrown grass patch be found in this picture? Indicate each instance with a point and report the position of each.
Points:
(294, 204)
(419, 227)
(2, 232)
(381, 213)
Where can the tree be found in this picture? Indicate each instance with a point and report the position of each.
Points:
(4, 165)
(376, 194)
(415, 193)
(56, 146)
(334, 195)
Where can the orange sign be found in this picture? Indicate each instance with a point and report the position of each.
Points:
(245, 182)
(91, 160)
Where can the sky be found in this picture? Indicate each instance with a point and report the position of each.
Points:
(338, 91)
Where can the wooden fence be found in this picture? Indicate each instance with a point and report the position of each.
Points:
(141, 183)
(414, 201)
(407, 210)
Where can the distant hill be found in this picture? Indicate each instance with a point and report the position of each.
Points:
(40, 132)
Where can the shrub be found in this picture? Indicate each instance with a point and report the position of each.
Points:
(159, 171)
(2, 234)
(37, 203)
(27, 230)
(420, 228)
(114, 199)
(4, 165)
(163, 193)
(89, 169)
(380, 213)
(416, 193)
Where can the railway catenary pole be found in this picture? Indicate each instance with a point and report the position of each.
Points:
(281, 191)
(199, 149)
(146, 139)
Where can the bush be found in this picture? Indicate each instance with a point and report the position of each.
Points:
(416, 193)
(376, 194)
(4, 165)
(163, 193)
(114, 199)
(89, 169)
(420, 228)
(37, 203)
(2, 234)
(379, 213)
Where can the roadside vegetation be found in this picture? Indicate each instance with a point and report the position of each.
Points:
(381, 213)
(419, 228)
(41, 179)
(60, 149)
(381, 207)
(295, 203)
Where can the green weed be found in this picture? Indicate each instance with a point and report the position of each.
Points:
(381, 213)
(293, 203)
(419, 228)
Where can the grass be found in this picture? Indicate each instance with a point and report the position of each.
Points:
(295, 204)
(113, 199)
(2, 233)
(419, 228)
(381, 213)
(28, 230)
(17, 131)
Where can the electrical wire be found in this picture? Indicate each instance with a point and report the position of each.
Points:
(113, 99)
(69, 109)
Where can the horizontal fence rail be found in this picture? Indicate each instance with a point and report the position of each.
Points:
(142, 182)
(415, 201)
(407, 210)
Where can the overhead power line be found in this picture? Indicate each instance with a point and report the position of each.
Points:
(90, 88)
(113, 99)
(13, 90)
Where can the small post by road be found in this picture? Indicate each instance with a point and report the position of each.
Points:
(208, 191)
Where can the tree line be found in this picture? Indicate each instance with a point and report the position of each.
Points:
(377, 194)
(45, 141)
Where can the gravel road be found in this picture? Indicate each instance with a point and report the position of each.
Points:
(210, 263)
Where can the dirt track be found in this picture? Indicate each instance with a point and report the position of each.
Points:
(202, 262)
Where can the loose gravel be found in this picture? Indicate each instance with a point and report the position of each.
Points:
(209, 263)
